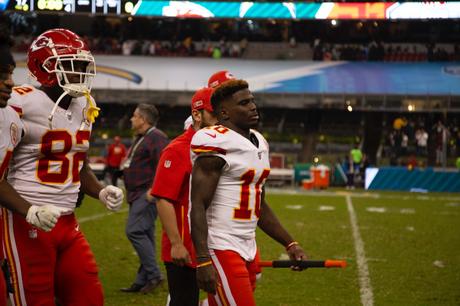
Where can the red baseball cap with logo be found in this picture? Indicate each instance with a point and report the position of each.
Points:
(219, 77)
(202, 99)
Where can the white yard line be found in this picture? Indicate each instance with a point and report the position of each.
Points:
(366, 194)
(98, 216)
(367, 297)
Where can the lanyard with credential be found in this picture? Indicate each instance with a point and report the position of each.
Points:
(133, 149)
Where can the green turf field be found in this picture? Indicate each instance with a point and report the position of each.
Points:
(401, 249)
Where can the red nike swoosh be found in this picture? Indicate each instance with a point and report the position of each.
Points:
(212, 135)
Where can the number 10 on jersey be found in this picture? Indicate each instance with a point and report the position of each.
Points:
(243, 212)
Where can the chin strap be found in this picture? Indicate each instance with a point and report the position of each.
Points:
(92, 111)
(50, 117)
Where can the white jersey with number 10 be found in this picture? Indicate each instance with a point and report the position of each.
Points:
(235, 209)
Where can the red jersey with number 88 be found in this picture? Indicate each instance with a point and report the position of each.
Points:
(233, 214)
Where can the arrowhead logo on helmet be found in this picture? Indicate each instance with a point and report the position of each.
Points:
(40, 42)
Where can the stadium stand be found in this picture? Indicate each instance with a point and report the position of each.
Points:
(411, 40)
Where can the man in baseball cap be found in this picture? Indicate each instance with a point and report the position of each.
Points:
(201, 100)
(171, 188)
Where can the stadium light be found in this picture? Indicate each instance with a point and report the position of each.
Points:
(129, 6)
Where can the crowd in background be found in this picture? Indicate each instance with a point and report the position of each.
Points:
(345, 40)
(378, 51)
(409, 142)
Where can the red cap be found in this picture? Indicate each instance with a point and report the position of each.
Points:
(219, 77)
(202, 99)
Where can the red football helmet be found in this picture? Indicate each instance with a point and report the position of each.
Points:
(61, 57)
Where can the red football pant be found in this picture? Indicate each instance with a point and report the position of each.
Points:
(236, 279)
(47, 265)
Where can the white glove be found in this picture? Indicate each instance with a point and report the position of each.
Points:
(112, 197)
(44, 217)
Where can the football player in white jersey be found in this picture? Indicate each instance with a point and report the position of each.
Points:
(49, 167)
(231, 164)
(43, 217)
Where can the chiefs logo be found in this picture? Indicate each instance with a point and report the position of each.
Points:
(39, 43)
(14, 134)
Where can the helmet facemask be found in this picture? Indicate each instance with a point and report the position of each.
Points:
(74, 72)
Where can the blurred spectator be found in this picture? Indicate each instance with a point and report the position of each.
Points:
(292, 42)
(399, 123)
(395, 139)
(421, 139)
(457, 141)
(356, 157)
(441, 136)
(152, 48)
(127, 47)
(115, 154)
(412, 162)
(243, 45)
(216, 53)
(188, 43)
(347, 167)
(404, 144)
(317, 50)
(235, 51)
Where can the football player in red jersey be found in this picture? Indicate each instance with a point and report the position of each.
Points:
(171, 188)
(230, 166)
(49, 168)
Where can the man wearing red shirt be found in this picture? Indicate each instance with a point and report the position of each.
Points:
(115, 154)
(171, 188)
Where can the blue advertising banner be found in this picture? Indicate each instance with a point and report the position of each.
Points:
(272, 76)
(376, 78)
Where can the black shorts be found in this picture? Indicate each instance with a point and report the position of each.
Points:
(182, 285)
